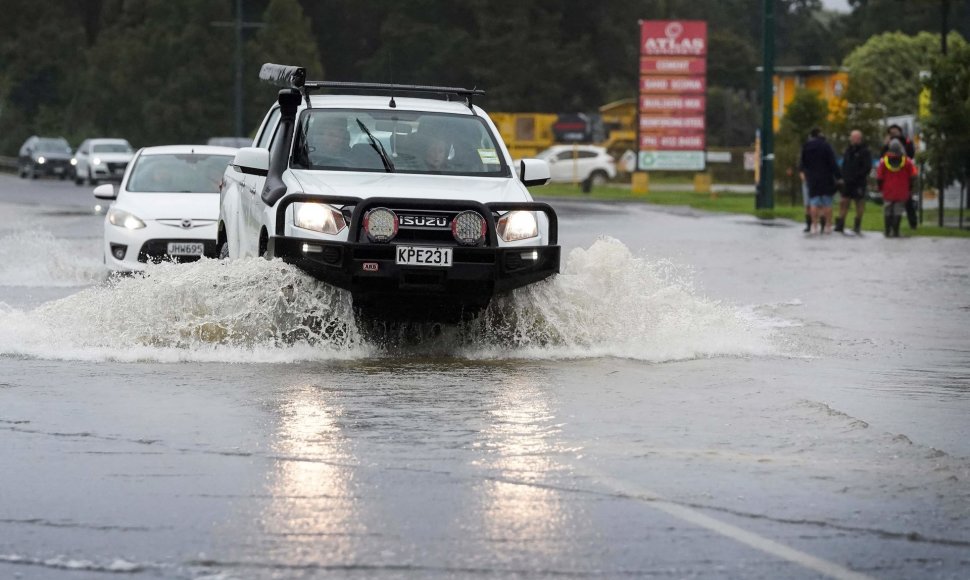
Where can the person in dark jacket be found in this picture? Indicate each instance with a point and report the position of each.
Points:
(821, 173)
(856, 166)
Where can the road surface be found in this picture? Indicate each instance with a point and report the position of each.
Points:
(695, 396)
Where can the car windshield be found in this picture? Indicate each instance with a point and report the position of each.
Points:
(178, 173)
(53, 146)
(416, 142)
(111, 148)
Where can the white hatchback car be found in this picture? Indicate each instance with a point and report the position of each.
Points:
(101, 159)
(166, 206)
(409, 203)
(579, 164)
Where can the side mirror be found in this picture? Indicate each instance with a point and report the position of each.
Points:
(252, 161)
(534, 172)
(105, 191)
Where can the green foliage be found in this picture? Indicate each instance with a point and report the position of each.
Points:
(890, 63)
(862, 112)
(948, 128)
(806, 111)
(158, 71)
(285, 38)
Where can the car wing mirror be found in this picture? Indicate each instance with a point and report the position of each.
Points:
(534, 172)
(105, 191)
(252, 161)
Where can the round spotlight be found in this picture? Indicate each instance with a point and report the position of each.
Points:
(380, 224)
(469, 228)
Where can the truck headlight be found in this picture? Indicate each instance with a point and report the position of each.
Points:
(123, 219)
(73, 161)
(517, 225)
(41, 160)
(318, 217)
(96, 161)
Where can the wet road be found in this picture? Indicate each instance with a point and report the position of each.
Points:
(702, 396)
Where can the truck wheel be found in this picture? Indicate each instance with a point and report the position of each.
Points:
(224, 250)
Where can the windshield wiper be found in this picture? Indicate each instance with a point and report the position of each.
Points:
(378, 146)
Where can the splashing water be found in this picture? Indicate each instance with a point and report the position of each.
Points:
(606, 302)
(37, 258)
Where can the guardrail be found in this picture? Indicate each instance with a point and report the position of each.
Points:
(8, 164)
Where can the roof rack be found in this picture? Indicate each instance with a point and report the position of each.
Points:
(295, 78)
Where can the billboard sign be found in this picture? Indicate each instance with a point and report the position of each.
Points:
(672, 89)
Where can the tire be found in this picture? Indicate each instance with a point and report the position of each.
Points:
(91, 180)
(78, 180)
(224, 250)
(599, 178)
(32, 172)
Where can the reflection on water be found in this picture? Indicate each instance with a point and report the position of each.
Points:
(313, 500)
(520, 444)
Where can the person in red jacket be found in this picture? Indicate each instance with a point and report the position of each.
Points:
(896, 175)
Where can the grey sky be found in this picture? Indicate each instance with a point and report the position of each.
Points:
(839, 5)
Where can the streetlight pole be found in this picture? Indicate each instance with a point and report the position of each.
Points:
(766, 189)
(940, 181)
(238, 25)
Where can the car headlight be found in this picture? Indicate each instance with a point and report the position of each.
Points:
(318, 217)
(123, 219)
(517, 225)
(73, 161)
(41, 160)
(96, 161)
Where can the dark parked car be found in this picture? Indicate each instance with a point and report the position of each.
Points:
(44, 156)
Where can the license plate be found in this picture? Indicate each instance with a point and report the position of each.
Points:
(185, 249)
(423, 256)
(58, 170)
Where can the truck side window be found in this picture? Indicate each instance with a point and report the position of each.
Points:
(270, 129)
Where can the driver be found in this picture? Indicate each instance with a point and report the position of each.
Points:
(329, 142)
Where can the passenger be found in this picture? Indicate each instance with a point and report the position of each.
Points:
(856, 166)
(436, 151)
(896, 175)
(821, 174)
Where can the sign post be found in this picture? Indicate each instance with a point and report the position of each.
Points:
(673, 84)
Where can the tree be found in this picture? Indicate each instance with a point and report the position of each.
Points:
(805, 111)
(862, 112)
(286, 38)
(157, 74)
(890, 63)
(948, 128)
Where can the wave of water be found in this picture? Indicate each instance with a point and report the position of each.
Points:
(606, 303)
(37, 258)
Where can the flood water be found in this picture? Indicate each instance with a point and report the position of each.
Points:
(695, 395)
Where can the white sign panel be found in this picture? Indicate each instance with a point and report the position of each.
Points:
(672, 160)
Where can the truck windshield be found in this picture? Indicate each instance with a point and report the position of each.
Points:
(412, 141)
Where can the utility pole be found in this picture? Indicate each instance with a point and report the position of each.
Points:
(238, 25)
(765, 198)
(940, 181)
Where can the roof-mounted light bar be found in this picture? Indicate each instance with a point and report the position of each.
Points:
(294, 77)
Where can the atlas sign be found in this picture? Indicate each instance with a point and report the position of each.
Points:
(672, 89)
(673, 38)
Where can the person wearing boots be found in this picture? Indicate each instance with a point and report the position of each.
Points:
(856, 165)
(896, 175)
(821, 174)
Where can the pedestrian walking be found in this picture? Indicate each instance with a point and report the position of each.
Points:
(896, 175)
(856, 166)
(821, 173)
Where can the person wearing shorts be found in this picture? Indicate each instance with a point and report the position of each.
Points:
(856, 166)
(821, 175)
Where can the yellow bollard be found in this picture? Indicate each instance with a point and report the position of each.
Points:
(640, 183)
(702, 183)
